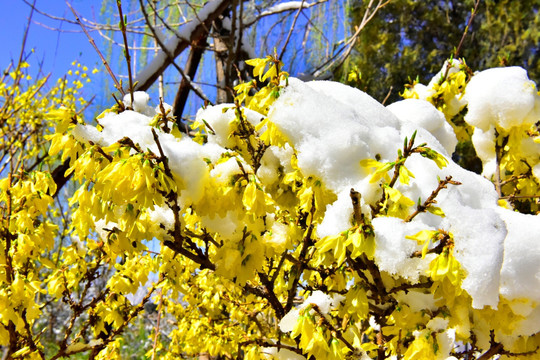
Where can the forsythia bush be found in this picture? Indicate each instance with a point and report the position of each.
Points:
(304, 220)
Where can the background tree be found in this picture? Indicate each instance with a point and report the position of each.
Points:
(410, 38)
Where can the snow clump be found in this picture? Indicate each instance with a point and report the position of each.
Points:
(502, 96)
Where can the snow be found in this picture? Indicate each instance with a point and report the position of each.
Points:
(287, 322)
(224, 226)
(479, 239)
(128, 123)
(520, 274)
(162, 215)
(454, 68)
(324, 301)
(312, 117)
(338, 215)
(187, 159)
(219, 118)
(502, 96)
(455, 104)
(417, 301)
(393, 251)
(484, 144)
(281, 354)
(251, 17)
(140, 103)
(437, 323)
(422, 113)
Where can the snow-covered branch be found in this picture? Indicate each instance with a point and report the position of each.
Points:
(281, 8)
(178, 43)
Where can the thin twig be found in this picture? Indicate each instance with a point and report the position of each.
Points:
(126, 49)
(469, 23)
(105, 63)
(431, 199)
(156, 336)
(460, 45)
(387, 95)
(291, 30)
(331, 327)
(337, 59)
(21, 54)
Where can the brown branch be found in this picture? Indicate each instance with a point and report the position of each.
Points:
(498, 155)
(511, 197)
(291, 30)
(271, 296)
(387, 95)
(407, 287)
(126, 49)
(444, 240)
(431, 199)
(357, 211)
(408, 150)
(133, 312)
(335, 332)
(21, 54)
(172, 197)
(204, 262)
(492, 351)
(156, 335)
(193, 61)
(59, 176)
(514, 178)
(461, 41)
(469, 23)
(298, 268)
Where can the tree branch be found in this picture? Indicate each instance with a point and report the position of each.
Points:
(192, 31)
(194, 58)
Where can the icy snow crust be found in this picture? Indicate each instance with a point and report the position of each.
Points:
(332, 127)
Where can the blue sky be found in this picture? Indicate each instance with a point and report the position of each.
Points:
(55, 49)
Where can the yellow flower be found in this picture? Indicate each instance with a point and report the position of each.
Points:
(399, 205)
(381, 169)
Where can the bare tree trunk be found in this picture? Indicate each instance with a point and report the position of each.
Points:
(222, 53)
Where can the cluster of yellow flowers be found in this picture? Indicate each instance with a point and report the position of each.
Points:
(30, 224)
(221, 231)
